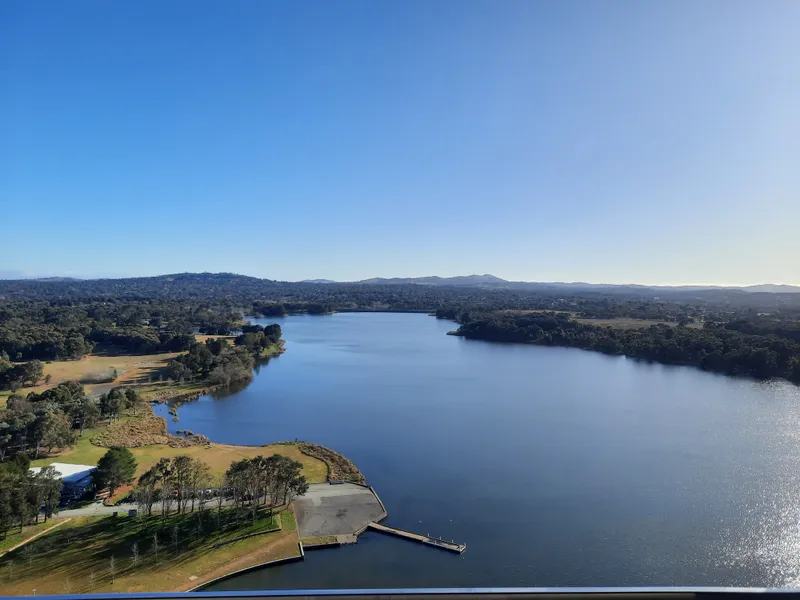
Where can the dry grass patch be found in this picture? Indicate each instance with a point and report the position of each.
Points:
(202, 337)
(626, 323)
(130, 369)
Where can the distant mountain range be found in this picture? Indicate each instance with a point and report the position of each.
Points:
(486, 281)
(773, 289)
(471, 280)
(491, 281)
(19, 275)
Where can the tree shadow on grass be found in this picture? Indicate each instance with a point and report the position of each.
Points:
(82, 554)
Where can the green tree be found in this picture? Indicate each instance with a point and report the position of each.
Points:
(217, 345)
(117, 467)
(147, 491)
(50, 484)
(34, 371)
(112, 403)
(199, 477)
(84, 411)
(7, 482)
(133, 399)
(53, 430)
(177, 371)
(59, 432)
(21, 506)
(181, 473)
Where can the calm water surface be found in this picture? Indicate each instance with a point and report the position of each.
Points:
(555, 466)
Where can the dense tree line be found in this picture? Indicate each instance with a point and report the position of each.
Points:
(63, 319)
(17, 375)
(47, 320)
(260, 481)
(24, 497)
(215, 360)
(257, 338)
(181, 482)
(54, 331)
(56, 417)
(178, 480)
(714, 348)
(767, 325)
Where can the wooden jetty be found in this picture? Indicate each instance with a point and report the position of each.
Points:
(424, 539)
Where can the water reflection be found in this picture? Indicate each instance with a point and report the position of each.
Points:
(556, 466)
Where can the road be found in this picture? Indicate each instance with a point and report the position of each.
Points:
(95, 510)
(98, 509)
(315, 492)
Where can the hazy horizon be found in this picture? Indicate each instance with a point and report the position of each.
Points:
(631, 142)
(21, 275)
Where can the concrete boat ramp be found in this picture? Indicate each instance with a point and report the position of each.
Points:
(346, 510)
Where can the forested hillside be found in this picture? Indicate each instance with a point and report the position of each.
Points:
(57, 320)
(715, 347)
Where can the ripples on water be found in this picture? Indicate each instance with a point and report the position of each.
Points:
(556, 466)
(770, 519)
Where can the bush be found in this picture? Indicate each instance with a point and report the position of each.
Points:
(107, 376)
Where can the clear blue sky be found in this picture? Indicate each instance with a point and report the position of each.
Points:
(644, 141)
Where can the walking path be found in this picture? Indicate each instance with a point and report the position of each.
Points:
(95, 510)
(33, 537)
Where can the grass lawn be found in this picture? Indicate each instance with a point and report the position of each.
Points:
(288, 522)
(14, 536)
(218, 456)
(174, 553)
(318, 541)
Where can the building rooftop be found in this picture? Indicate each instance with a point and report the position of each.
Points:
(69, 473)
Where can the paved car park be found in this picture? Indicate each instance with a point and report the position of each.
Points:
(336, 509)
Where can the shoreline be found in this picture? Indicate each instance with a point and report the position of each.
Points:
(174, 391)
(338, 468)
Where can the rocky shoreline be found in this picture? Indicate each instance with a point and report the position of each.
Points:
(340, 468)
(176, 394)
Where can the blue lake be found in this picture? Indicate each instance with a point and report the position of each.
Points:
(555, 466)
